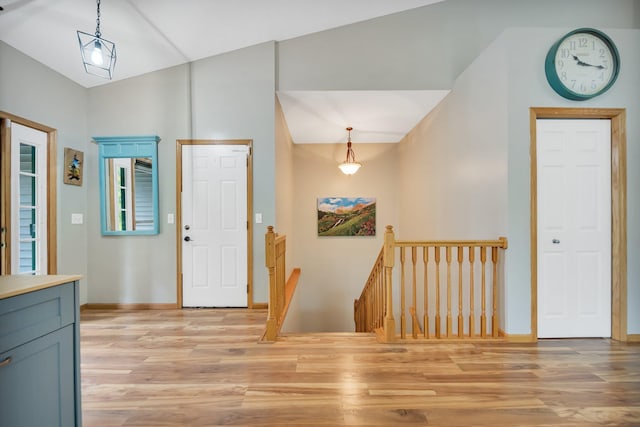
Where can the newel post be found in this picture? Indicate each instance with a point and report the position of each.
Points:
(270, 262)
(388, 261)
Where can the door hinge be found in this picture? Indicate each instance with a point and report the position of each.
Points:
(247, 288)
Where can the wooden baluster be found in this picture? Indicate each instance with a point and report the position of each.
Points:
(403, 319)
(449, 320)
(460, 319)
(377, 298)
(389, 261)
(472, 315)
(380, 299)
(281, 272)
(437, 258)
(383, 296)
(269, 238)
(425, 261)
(494, 318)
(483, 315)
(414, 259)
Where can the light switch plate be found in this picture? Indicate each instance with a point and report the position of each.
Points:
(258, 218)
(170, 218)
(77, 218)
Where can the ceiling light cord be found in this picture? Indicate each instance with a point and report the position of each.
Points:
(349, 166)
(351, 156)
(98, 34)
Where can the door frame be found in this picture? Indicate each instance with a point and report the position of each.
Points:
(249, 144)
(618, 209)
(5, 190)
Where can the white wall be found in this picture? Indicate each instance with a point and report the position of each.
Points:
(137, 269)
(428, 47)
(285, 208)
(527, 87)
(30, 90)
(234, 98)
(454, 162)
(334, 269)
(475, 152)
(229, 96)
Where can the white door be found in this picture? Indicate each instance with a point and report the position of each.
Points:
(574, 228)
(28, 200)
(214, 226)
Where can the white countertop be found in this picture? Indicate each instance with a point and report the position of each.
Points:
(13, 285)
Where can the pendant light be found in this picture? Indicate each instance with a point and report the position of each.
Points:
(349, 166)
(98, 54)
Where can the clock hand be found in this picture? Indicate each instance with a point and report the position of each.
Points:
(584, 64)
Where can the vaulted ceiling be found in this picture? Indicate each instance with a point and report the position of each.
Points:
(155, 34)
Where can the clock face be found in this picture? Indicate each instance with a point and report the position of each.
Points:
(582, 64)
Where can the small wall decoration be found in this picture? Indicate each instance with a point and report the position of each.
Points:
(73, 166)
(346, 216)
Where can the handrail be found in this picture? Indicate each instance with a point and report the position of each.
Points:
(368, 310)
(425, 282)
(280, 292)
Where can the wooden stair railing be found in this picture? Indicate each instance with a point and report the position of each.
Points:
(280, 291)
(368, 310)
(459, 292)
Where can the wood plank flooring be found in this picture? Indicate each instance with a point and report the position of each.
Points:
(206, 368)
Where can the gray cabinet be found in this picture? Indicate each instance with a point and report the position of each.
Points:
(39, 358)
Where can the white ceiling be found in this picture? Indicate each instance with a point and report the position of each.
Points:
(375, 116)
(155, 34)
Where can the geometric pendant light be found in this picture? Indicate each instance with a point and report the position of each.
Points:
(98, 54)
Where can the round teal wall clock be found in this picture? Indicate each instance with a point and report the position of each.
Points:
(582, 64)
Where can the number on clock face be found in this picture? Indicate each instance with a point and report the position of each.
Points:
(584, 63)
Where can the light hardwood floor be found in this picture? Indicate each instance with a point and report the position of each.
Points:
(205, 368)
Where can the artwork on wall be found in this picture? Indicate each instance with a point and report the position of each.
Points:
(346, 216)
(73, 166)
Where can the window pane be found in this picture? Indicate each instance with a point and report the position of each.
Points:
(27, 223)
(27, 259)
(27, 158)
(27, 190)
(27, 244)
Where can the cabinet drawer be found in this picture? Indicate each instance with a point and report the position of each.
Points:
(29, 316)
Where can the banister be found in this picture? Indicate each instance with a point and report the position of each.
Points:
(280, 292)
(376, 301)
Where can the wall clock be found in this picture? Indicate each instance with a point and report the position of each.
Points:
(582, 64)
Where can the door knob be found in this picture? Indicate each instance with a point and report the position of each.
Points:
(555, 241)
(187, 239)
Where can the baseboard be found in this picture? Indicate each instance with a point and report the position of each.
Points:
(119, 306)
(259, 306)
(633, 337)
(516, 337)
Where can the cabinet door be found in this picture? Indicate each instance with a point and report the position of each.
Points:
(37, 382)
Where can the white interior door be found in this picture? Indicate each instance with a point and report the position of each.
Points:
(214, 226)
(28, 200)
(574, 228)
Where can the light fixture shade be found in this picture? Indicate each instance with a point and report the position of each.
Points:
(98, 55)
(349, 168)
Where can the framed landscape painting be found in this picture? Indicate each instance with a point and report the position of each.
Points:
(346, 216)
